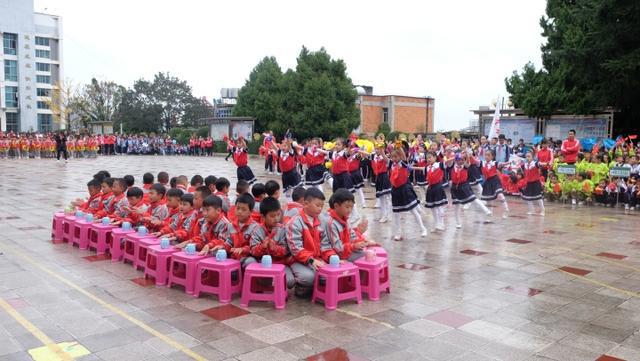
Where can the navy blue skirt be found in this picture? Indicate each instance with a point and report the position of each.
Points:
(419, 178)
(474, 175)
(356, 179)
(532, 192)
(435, 196)
(315, 175)
(403, 198)
(491, 188)
(291, 179)
(343, 180)
(462, 193)
(383, 184)
(246, 174)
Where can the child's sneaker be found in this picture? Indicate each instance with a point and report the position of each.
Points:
(383, 220)
(458, 226)
(424, 232)
(397, 237)
(573, 202)
(505, 215)
(626, 207)
(440, 227)
(541, 214)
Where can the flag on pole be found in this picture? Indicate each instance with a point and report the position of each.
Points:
(495, 123)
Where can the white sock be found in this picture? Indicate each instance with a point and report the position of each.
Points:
(541, 205)
(396, 224)
(434, 213)
(440, 211)
(502, 199)
(330, 181)
(457, 214)
(530, 206)
(361, 197)
(418, 218)
(481, 206)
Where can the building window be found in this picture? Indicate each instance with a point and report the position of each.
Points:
(43, 79)
(11, 96)
(42, 92)
(12, 122)
(43, 105)
(46, 54)
(44, 123)
(10, 43)
(10, 70)
(43, 67)
(42, 41)
(385, 115)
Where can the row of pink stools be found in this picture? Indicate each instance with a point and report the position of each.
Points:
(224, 278)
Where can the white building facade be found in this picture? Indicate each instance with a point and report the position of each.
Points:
(30, 67)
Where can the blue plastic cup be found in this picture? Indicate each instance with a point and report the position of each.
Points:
(106, 220)
(190, 249)
(126, 226)
(334, 261)
(88, 217)
(267, 261)
(164, 243)
(79, 214)
(142, 230)
(221, 255)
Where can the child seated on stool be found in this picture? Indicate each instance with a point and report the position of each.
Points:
(134, 210)
(105, 207)
(269, 238)
(180, 228)
(238, 245)
(199, 195)
(346, 242)
(295, 207)
(120, 202)
(173, 207)
(157, 211)
(213, 231)
(222, 191)
(258, 192)
(92, 204)
(304, 234)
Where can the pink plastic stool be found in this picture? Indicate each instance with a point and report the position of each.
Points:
(100, 237)
(80, 234)
(130, 243)
(117, 234)
(67, 227)
(276, 273)
(158, 262)
(140, 251)
(183, 270)
(374, 276)
(57, 227)
(218, 280)
(380, 252)
(330, 293)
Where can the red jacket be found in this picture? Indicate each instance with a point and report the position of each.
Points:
(570, 149)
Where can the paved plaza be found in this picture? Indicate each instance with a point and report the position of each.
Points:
(564, 287)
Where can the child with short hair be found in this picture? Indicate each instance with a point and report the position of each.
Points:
(272, 188)
(583, 190)
(346, 242)
(210, 182)
(129, 180)
(163, 178)
(120, 202)
(238, 245)
(135, 209)
(258, 192)
(213, 231)
(196, 181)
(92, 204)
(199, 195)
(157, 211)
(553, 188)
(222, 191)
(182, 182)
(181, 228)
(270, 238)
(295, 206)
(147, 182)
(304, 234)
(600, 193)
(173, 206)
(106, 201)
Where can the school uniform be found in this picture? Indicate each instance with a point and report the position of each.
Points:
(279, 254)
(435, 196)
(92, 204)
(474, 173)
(290, 176)
(240, 237)
(380, 166)
(340, 169)
(134, 217)
(316, 171)
(240, 158)
(120, 203)
(182, 226)
(170, 224)
(533, 189)
(461, 192)
(293, 209)
(158, 211)
(212, 234)
(304, 235)
(353, 165)
(226, 203)
(403, 197)
(419, 175)
(106, 205)
(492, 185)
(340, 238)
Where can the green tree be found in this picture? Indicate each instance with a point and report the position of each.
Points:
(99, 101)
(261, 96)
(139, 116)
(591, 60)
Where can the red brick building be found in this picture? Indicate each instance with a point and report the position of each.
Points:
(402, 113)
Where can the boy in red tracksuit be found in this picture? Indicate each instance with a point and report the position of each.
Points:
(106, 205)
(270, 238)
(120, 202)
(304, 234)
(157, 211)
(92, 204)
(294, 208)
(238, 245)
(222, 191)
(135, 209)
(180, 229)
(173, 207)
(346, 242)
(213, 231)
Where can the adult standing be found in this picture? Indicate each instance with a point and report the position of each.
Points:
(503, 151)
(61, 146)
(570, 148)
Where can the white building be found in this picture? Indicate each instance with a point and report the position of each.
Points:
(30, 66)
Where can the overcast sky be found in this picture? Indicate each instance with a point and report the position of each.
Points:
(458, 52)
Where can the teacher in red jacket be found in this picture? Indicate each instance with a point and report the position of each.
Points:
(570, 148)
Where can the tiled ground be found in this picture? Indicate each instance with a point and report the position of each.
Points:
(562, 288)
